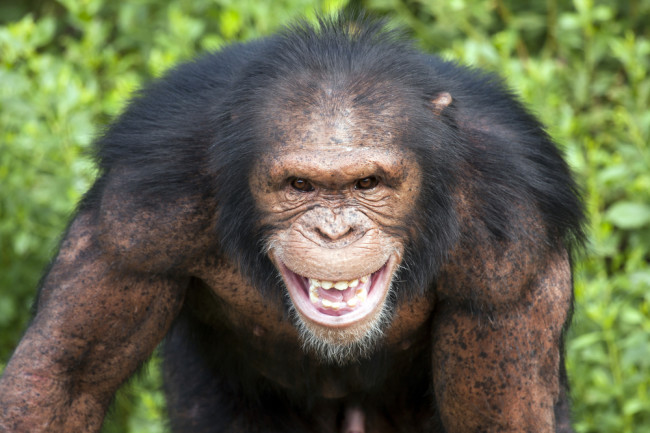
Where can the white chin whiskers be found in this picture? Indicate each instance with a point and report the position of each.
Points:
(342, 345)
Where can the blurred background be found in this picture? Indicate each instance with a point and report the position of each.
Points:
(68, 67)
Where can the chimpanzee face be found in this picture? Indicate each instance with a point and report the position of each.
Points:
(337, 191)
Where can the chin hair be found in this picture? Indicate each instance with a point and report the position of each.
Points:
(333, 346)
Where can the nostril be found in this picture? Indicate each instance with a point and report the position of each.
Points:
(334, 233)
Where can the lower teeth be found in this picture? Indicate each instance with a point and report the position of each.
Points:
(360, 296)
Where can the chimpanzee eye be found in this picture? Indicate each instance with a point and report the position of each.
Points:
(302, 185)
(366, 183)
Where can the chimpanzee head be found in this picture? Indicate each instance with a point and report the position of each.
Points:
(343, 162)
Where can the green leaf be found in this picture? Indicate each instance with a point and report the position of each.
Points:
(629, 215)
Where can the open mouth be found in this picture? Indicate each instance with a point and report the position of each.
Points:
(338, 303)
(339, 297)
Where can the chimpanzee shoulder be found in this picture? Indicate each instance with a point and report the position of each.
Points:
(159, 144)
(513, 157)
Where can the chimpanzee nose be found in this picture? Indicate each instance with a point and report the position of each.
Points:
(335, 226)
(335, 230)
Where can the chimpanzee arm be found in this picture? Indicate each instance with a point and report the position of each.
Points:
(97, 320)
(498, 334)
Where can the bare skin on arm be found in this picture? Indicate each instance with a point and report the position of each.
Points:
(502, 362)
(96, 324)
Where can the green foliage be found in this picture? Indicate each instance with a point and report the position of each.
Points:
(68, 67)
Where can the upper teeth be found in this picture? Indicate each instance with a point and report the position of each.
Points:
(338, 285)
(360, 294)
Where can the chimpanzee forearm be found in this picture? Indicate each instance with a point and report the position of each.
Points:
(95, 324)
(503, 365)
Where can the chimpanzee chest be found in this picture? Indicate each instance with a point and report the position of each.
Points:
(260, 337)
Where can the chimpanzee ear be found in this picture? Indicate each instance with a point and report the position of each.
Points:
(440, 102)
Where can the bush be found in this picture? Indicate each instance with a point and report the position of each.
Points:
(68, 67)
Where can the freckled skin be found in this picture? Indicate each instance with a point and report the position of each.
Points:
(501, 363)
(331, 154)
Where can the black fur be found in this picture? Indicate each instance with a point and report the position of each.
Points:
(197, 129)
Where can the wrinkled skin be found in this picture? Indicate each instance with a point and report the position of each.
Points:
(336, 227)
(339, 193)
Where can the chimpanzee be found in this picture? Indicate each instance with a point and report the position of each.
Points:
(330, 232)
